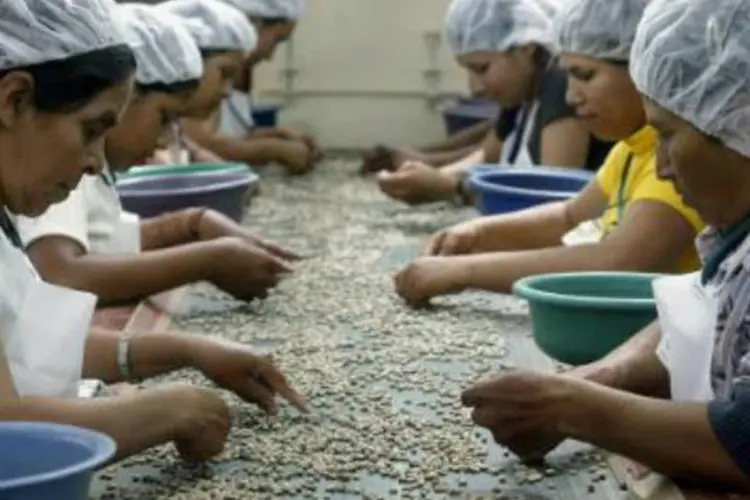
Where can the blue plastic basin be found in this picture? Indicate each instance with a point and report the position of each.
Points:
(503, 190)
(266, 115)
(228, 193)
(41, 461)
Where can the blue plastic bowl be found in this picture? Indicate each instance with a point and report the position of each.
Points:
(228, 193)
(266, 115)
(503, 190)
(42, 461)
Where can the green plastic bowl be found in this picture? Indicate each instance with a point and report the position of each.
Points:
(578, 318)
(192, 168)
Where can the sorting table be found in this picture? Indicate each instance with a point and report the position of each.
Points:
(383, 380)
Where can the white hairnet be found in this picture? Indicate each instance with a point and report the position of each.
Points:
(604, 29)
(692, 57)
(164, 49)
(498, 25)
(215, 25)
(269, 9)
(39, 31)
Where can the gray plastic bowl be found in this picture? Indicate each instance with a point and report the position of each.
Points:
(227, 193)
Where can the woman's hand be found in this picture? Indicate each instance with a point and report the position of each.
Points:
(383, 157)
(521, 409)
(245, 270)
(212, 224)
(416, 183)
(295, 155)
(252, 376)
(460, 239)
(428, 277)
(314, 147)
(201, 420)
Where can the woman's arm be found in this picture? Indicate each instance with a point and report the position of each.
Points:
(136, 421)
(442, 159)
(675, 439)
(651, 238)
(255, 151)
(565, 143)
(121, 278)
(542, 226)
(150, 354)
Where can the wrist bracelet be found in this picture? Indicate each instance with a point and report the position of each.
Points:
(461, 197)
(124, 364)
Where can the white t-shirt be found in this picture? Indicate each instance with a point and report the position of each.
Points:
(90, 216)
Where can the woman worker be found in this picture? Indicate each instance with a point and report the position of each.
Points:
(506, 46)
(225, 38)
(642, 223)
(65, 79)
(89, 243)
(275, 21)
(675, 397)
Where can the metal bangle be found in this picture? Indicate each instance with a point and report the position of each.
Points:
(124, 364)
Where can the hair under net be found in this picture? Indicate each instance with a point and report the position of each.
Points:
(39, 31)
(164, 49)
(215, 25)
(691, 58)
(270, 9)
(603, 29)
(498, 25)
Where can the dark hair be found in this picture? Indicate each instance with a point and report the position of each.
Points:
(542, 56)
(618, 62)
(209, 53)
(169, 88)
(273, 21)
(67, 85)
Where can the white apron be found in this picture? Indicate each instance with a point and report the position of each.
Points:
(586, 233)
(43, 328)
(687, 315)
(125, 237)
(524, 158)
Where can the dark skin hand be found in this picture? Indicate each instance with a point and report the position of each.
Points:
(531, 413)
(233, 366)
(648, 430)
(252, 376)
(295, 155)
(234, 265)
(195, 419)
(201, 224)
(632, 367)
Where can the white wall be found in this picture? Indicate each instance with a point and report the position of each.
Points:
(361, 72)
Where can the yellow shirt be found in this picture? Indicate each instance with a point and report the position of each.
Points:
(641, 183)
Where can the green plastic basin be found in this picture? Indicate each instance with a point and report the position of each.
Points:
(578, 318)
(192, 168)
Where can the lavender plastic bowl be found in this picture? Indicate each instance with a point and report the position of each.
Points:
(227, 193)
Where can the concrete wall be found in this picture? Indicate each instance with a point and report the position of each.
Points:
(361, 71)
